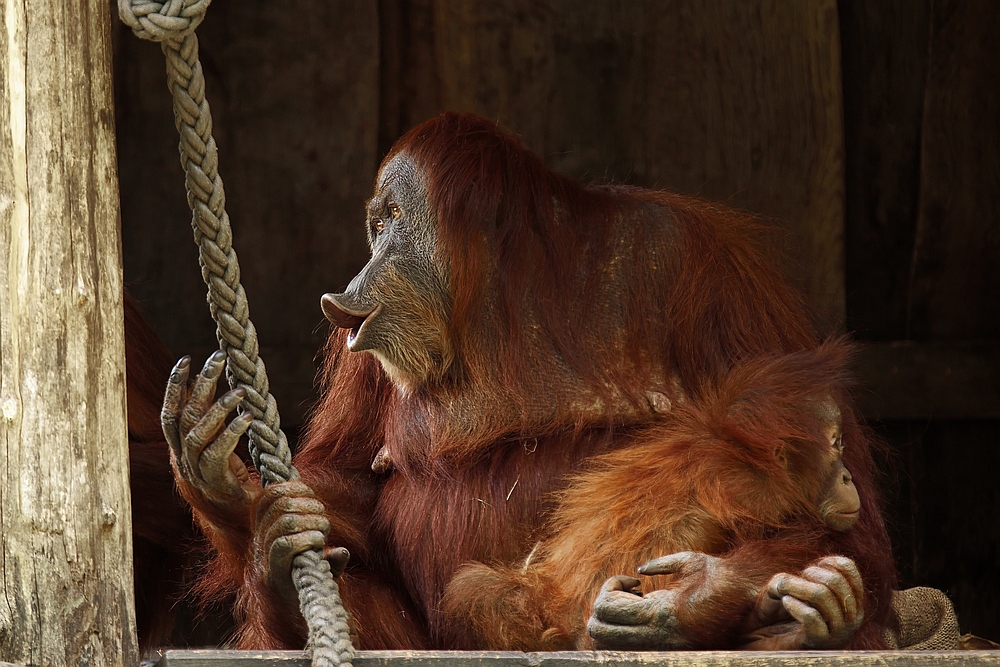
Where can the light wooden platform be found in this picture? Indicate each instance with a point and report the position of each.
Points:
(217, 658)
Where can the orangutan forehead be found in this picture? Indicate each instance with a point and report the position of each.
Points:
(401, 170)
(826, 409)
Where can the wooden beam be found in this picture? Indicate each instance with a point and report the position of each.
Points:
(206, 658)
(906, 380)
(65, 522)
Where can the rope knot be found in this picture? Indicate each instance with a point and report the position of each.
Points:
(162, 21)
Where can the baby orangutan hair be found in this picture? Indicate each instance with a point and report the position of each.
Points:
(753, 472)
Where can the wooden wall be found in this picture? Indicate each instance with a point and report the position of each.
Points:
(922, 124)
(866, 132)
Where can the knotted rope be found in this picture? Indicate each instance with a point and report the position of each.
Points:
(172, 23)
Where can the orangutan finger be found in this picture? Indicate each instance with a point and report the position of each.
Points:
(850, 571)
(818, 596)
(623, 608)
(290, 504)
(620, 582)
(816, 630)
(769, 609)
(338, 557)
(610, 637)
(293, 524)
(214, 461)
(284, 549)
(838, 584)
(213, 421)
(671, 564)
(203, 391)
(170, 413)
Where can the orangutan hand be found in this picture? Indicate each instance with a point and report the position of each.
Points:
(625, 619)
(211, 477)
(290, 520)
(822, 608)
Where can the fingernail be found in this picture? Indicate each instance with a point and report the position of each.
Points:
(218, 356)
(240, 391)
(179, 369)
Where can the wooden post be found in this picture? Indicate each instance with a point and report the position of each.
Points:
(65, 519)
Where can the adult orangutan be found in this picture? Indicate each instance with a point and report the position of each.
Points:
(514, 337)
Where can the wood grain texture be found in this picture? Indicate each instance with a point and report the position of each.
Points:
(954, 278)
(65, 519)
(902, 380)
(884, 47)
(590, 659)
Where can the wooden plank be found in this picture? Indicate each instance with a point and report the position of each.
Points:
(884, 53)
(907, 380)
(207, 658)
(768, 659)
(955, 281)
(65, 521)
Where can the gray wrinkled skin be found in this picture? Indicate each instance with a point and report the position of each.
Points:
(403, 287)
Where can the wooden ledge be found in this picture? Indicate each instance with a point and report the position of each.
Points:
(217, 658)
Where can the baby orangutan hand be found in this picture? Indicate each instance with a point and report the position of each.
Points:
(290, 520)
(821, 608)
(211, 477)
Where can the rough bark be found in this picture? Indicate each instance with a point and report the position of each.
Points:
(65, 526)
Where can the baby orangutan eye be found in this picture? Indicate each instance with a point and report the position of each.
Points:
(395, 211)
(379, 225)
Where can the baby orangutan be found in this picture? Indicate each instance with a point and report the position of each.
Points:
(744, 477)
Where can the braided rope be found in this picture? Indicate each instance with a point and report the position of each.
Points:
(172, 23)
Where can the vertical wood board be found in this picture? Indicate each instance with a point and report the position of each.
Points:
(955, 284)
(65, 523)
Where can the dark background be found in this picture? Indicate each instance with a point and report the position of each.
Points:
(867, 132)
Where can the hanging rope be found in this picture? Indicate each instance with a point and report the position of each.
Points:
(172, 23)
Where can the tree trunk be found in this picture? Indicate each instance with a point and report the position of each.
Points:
(65, 522)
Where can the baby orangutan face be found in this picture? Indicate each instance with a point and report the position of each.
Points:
(840, 505)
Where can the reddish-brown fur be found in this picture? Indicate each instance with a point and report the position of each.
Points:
(569, 304)
(739, 472)
(162, 529)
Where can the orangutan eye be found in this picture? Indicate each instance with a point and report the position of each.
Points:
(379, 225)
(395, 211)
